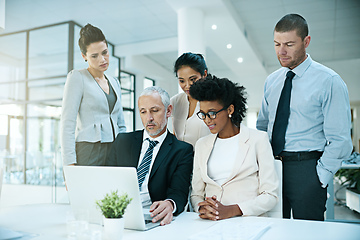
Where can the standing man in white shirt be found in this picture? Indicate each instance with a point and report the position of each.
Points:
(306, 113)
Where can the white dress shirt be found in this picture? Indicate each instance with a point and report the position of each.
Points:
(144, 191)
(319, 114)
(222, 159)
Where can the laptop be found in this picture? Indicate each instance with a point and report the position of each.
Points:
(86, 184)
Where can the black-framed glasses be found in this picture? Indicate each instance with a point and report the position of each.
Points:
(211, 114)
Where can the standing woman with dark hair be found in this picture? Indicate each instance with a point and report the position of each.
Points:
(92, 113)
(188, 68)
(234, 172)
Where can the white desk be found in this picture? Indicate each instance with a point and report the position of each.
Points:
(49, 222)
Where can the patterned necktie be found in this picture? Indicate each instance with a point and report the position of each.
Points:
(282, 116)
(143, 169)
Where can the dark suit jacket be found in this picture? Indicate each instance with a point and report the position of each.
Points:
(171, 172)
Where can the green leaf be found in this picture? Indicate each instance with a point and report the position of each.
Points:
(113, 205)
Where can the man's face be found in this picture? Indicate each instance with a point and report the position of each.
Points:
(153, 114)
(290, 49)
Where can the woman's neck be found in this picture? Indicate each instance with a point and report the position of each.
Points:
(95, 73)
(191, 100)
(230, 131)
(192, 106)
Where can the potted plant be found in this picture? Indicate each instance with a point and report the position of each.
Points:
(351, 179)
(113, 208)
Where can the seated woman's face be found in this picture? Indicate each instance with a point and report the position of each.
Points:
(187, 76)
(219, 118)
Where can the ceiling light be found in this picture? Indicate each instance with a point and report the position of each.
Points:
(229, 46)
(240, 59)
(213, 27)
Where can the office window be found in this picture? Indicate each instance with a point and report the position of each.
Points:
(148, 82)
(43, 160)
(79, 62)
(12, 67)
(11, 142)
(34, 64)
(12, 108)
(127, 81)
(48, 51)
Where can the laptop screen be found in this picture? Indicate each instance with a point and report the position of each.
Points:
(86, 184)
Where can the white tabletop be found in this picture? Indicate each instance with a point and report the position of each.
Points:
(48, 221)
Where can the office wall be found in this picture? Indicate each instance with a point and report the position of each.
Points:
(143, 67)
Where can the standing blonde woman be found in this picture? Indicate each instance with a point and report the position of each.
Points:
(92, 113)
(189, 68)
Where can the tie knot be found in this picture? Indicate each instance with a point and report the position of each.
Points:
(152, 144)
(290, 74)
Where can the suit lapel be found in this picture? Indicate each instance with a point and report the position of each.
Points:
(136, 148)
(112, 83)
(162, 154)
(96, 93)
(209, 145)
(241, 152)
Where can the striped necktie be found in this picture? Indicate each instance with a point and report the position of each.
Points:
(282, 116)
(143, 169)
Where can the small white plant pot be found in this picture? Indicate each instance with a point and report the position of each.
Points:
(114, 228)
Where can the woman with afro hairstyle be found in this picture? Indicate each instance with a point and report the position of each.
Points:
(234, 172)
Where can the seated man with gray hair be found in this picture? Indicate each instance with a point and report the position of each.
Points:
(164, 164)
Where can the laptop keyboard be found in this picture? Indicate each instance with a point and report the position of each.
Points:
(147, 218)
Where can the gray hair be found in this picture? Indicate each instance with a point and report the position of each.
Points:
(165, 98)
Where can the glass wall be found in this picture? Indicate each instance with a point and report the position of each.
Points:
(33, 67)
(127, 81)
(148, 82)
(13, 70)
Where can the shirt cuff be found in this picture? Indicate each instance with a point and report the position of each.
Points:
(324, 176)
(174, 204)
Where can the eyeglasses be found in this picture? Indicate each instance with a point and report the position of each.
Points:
(211, 114)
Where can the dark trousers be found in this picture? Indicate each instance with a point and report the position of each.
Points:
(92, 154)
(302, 191)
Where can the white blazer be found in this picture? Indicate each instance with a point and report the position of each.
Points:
(85, 113)
(187, 129)
(252, 184)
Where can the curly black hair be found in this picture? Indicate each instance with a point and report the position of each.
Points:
(224, 92)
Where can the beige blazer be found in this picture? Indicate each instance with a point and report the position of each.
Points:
(253, 183)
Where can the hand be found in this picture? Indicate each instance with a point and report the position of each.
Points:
(212, 209)
(208, 209)
(162, 210)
